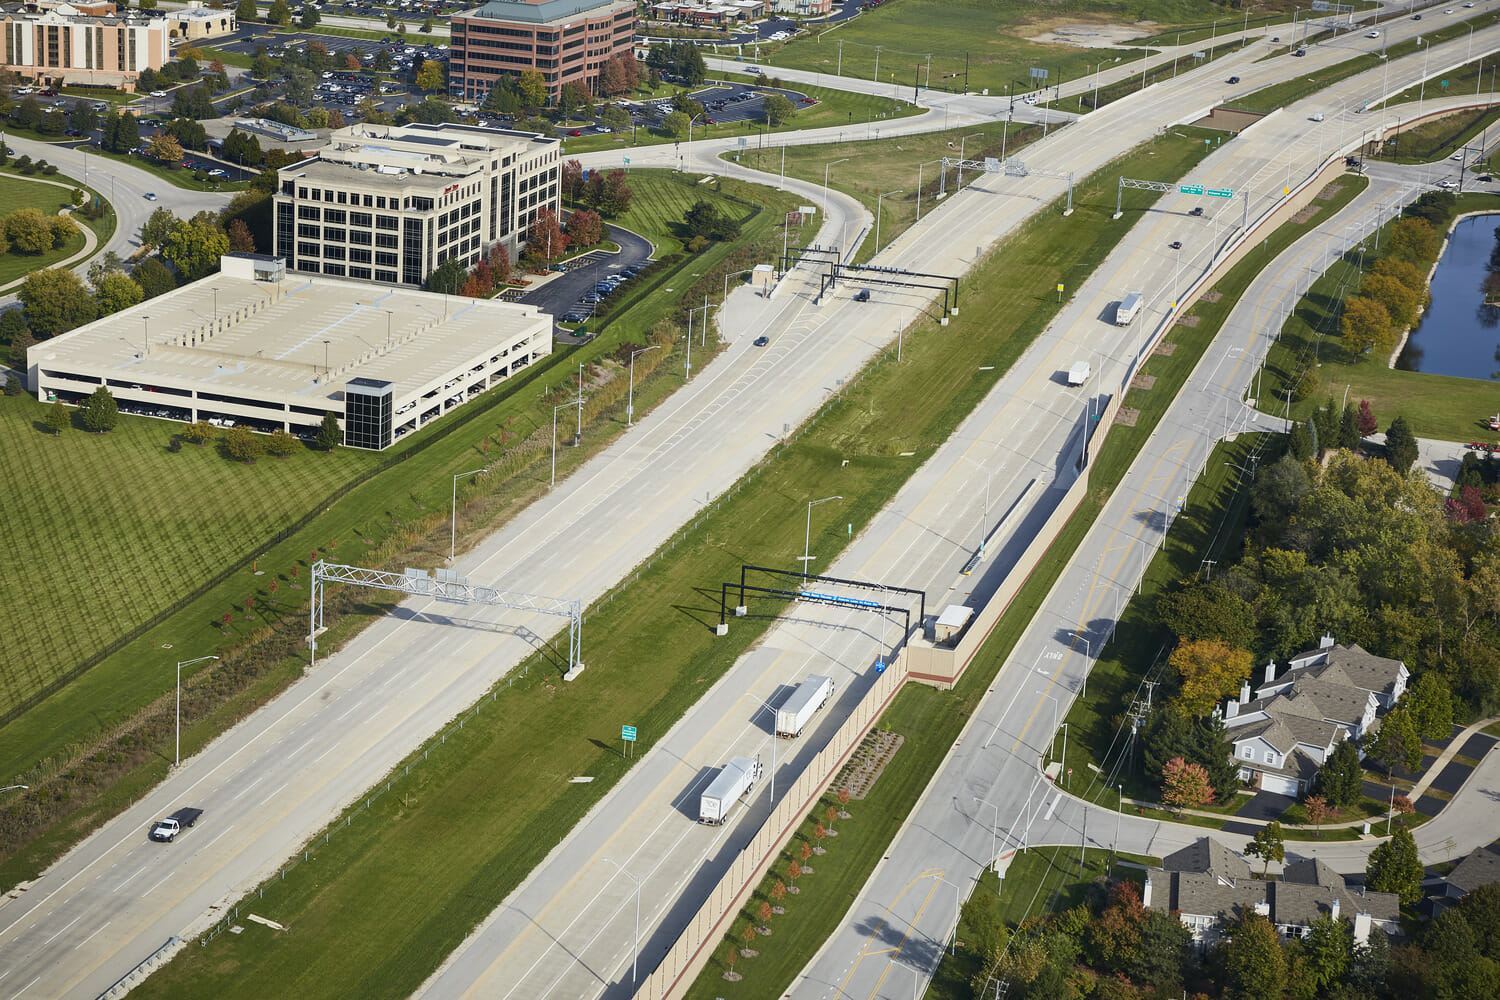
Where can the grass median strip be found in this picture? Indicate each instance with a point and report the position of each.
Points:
(388, 896)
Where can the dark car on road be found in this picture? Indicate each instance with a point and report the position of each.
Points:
(762, 341)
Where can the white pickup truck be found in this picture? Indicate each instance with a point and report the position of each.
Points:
(166, 830)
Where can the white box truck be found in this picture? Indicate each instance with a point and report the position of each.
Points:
(811, 695)
(1079, 373)
(736, 779)
(1126, 310)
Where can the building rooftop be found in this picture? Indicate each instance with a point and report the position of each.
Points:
(298, 339)
(539, 11)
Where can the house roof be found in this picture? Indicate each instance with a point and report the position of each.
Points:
(1207, 856)
(1480, 868)
(1311, 871)
(1354, 665)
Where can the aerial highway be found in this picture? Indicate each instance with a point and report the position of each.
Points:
(279, 776)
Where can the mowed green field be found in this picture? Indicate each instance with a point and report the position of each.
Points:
(990, 38)
(103, 531)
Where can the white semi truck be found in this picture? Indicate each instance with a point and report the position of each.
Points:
(811, 695)
(1126, 310)
(736, 779)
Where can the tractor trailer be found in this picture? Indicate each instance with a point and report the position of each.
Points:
(736, 779)
(1126, 310)
(811, 695)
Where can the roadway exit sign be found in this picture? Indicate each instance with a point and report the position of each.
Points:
(1190, 189)
(627, 733)
(1220, 192)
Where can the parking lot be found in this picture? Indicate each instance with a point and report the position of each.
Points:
(576, 291)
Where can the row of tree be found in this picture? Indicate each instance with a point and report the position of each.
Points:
(28, 231)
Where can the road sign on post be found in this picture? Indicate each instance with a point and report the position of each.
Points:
(627, 735)
(1190, 189)
(1219, 192)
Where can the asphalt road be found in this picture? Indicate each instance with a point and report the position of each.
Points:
(563, 292)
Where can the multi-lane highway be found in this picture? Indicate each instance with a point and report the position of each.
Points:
(283, 773)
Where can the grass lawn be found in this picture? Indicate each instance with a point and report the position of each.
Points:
(18, 192)
(435, 878)
(1436, 406)
(993, 42)
(228, 527)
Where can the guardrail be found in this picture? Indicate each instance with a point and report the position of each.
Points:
(145, 966)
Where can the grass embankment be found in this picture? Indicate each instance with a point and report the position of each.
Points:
(223, 522)
(1436, 406)
(652, 653)
(1147, 76)
(17, 191)
(892, 165)
(1441, 138)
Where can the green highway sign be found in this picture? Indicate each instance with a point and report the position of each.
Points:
(1220, 192)
(627, 733)
(1190, 189)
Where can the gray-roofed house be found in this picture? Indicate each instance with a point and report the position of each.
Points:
(1209, 886)
(1285, 731)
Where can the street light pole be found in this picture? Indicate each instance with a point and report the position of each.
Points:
(879, 199)
(630, 399)
(560, 406)
(177, 757)
(636, 949)
(1053, 741)
(994, 832)
(958, 184)
(1088, 654)
(807, 534)
(826, 166)
(453, 519)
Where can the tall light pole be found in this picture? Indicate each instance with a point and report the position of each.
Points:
(1422, 91)
(636, 949)
(177, 757)
(994, 832)
(879, 199)
(1053, 740)
(749, 270)
(825, 181)
(807, 533)
(959, 183)
(453, 519)
(1088, 654)
(630, 399)
(560, 406)
(771, 806)
(920, 168)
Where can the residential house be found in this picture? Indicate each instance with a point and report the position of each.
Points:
(1286, 730)
(1209, 887)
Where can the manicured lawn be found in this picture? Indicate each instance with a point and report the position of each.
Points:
(18, 192)
(434, 878)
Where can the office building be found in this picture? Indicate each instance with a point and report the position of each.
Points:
(260, 347)
(198, 20)
(62, 46)
(389, 203)
(565, 40)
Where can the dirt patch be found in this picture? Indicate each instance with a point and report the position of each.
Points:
(1305, 216)
(1165, 348)
(874, 753)
(1228, 121)
(1142, 381)
(1187, 320)
(1084, 34)
(1329, 190)
(1127, 416)
(1211, 297)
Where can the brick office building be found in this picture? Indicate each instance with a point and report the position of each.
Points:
(61, 46)
(565, 40)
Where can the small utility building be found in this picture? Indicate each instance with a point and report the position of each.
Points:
(256, 347)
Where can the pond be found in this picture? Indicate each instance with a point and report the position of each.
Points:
(1460, 335)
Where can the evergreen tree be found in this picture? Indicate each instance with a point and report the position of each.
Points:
(57, 418)
(1341, 779)
(1400, 445)
(330, 435)
(1395, 867)
(1349, 429)
(100, 412)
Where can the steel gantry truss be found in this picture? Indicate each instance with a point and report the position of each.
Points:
(447, 586)
(801, 593)
(1161, 187)
(1011, 167)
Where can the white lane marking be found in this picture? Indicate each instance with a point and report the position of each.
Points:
(64, 927)
(156, 886)
(23, 989)
(91, 936)
(275, 793)
(132, 878)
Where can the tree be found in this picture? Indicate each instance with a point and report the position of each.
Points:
(28, 231)
(1185, 785)
(545, 240)
(1400, 445)
(1166, 948)
(56, 301)
(158, 226)
(1367, 424)
(1327, 953)
(13, 385)
(246, 12)
(674, 124)
(261, 67)
(153, 277)
(243, 445)
(279, 13)
(574, 98)
(1395, 867)
(1267, 844)
(448, 277)
(1205, 610)
(240, 240)
(310, 17)
(1413, 240)
(429, 112)
(431, 76)
(572, 180)
(199, 433)
(188, 132)
(1401, 302)
(617, 76)
(1318, 812)
(99, 411)
(531, 88)
(1366, 326)
(616, 118)
(57, 418)
(705, 220)
(194, 248)
(499, 261)
(1430, 702)
(585, 228)
(116, 291)
(1254, 963)
(165, 149)
(1210, 670)
(1340, 781)
(615, 198)
(83, 117)
(779, 109)
(330, 434)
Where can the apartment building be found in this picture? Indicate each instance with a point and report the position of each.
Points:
(565, 40)
(63, 46)
(389, 203)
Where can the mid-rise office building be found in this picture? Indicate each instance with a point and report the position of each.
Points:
(565, 40)
(389, 203)
(62, 46)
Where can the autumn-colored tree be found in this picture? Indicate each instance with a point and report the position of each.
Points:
(730, 958)
(1185, 784)
(572, 180)
(545, 240)
(1318, 812)
(829, 815)
(499, 261)
(617, 194)
(1115, 936)
(228, 617)
(585, 228)
(1412, 240)
(531, 88)
(804, 853)
(843, 803)
(1367, 424)
(1210, 670)
(1366, 326)
(764, 913)
(794, 872)
(164, 149)
(431, 76)
(819, 832)
(351, 61)
(240, 240)
(778, 891)
(1400, 301)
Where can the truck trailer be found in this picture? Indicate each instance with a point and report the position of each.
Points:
(1078, 372)
(811, 695)
(1126, 310)
(736, 779)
